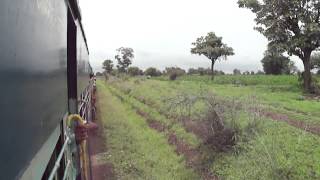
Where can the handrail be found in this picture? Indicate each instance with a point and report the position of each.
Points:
(66, 170)
(57, 163)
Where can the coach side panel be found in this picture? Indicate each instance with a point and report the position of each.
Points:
(83, 65)
(33, 78)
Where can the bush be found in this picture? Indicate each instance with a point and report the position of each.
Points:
(224, 117)
(174, 72)
(178, 71)
(134, 71)
(192, 71)
(236, 72)
(173, 76)
(99, 74)
(153, 72)
(276, 63)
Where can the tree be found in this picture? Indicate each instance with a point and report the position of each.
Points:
(246, 73)
(99, 74)
(107, 66)
(275, 63)
(202, 71)
(134, 71)
(124, 57)
(260, 72)
(175, 70)
(291, 25)
(151, 71)
(236, 72)
(192, 71)
(212, 47)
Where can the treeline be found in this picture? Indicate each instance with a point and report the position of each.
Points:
(273, 63)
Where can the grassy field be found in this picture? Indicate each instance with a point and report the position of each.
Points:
(135, 150)
(277, 127)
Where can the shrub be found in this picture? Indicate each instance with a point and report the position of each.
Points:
(134, 71)
(276, 63)
(173, 76)
(260, 72)
(174, 72)
(236, 72)
(192, 71)
(153, 72)
(99, 74)
(220, 120)
(178, 71)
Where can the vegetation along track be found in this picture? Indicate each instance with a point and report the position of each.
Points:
(301, 120)
(184, 143)
(269, 152)
(136, 150)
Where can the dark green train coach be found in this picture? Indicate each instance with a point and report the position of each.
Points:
(44, 77)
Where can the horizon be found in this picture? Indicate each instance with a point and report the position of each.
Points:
(164, 39)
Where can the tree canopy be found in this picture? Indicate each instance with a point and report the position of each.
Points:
(290, 25)
(151, 71)
(135, 71)
(212, 47)
(108, 66)
(124, 57)
(275, 63)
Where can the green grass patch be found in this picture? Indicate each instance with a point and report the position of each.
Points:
(278, 151)
(136, 151)
(153, 114)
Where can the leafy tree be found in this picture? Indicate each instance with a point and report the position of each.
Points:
(212, 47)
(99, 74)
(246, 73)
(291, 25)
(202, 71)
(151, 71)
(134, 71)
(107, 66)
(219, 72)
(236, 72)
(275, 63)
(176, 70)
(192, 71)
(124, 57)
(260, 72)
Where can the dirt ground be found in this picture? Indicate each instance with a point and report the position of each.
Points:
(97, 145)
(314, 129)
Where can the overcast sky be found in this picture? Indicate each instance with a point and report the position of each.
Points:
(161, 32)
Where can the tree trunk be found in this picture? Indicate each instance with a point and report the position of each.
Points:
(212, 73)
(307, 73)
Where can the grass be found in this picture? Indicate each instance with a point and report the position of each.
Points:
(156, 116)
(278, 151)
(244, 80)
(136, 151)
(287, 99)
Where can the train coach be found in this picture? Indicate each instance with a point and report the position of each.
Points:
(45, 76)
